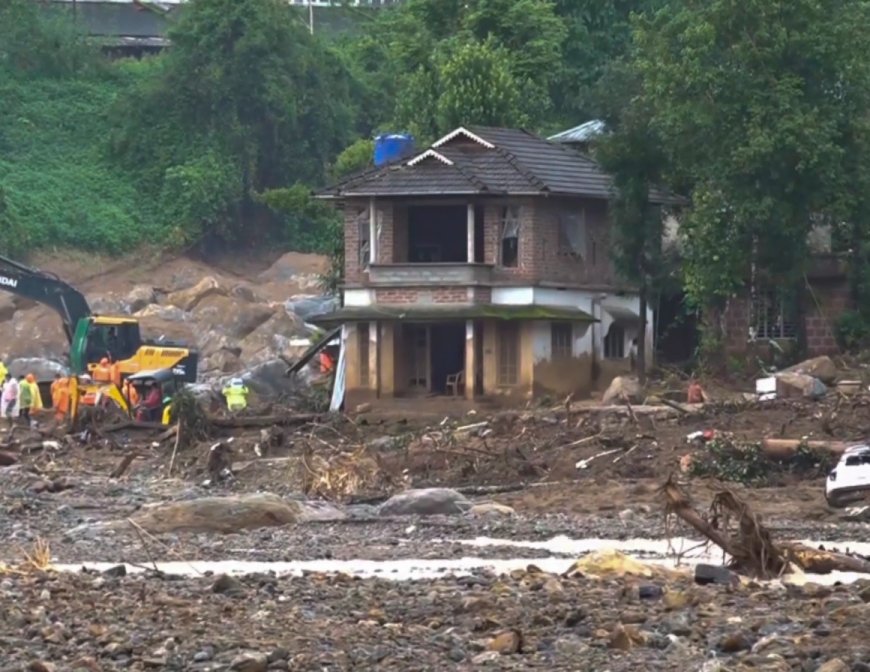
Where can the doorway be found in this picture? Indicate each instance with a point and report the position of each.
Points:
(447, 353)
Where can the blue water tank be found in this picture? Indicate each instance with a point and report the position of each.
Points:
(392, 147)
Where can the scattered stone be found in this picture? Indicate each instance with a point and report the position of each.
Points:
(491, 509)
(649, 592)
(707, 574)
(227, 585)
(116, 572)
(188, 299)
(735, 642)
(507, 642)
(139, 298)
(485, 657)
(425, 502)
(625, 638)
(250, 662)
(41, 666)
(365, 407)
(833, 665)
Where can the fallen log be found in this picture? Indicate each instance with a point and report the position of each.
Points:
(785, 449)
(733, 527)
(123, 465)
(262, 421)
(818, 561)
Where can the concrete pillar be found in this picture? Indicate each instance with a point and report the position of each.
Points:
(374, 358)
(470, 232)
(469, 359)
(373, 232)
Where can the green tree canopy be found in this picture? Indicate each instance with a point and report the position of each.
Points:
(248, 86)
(755, 103)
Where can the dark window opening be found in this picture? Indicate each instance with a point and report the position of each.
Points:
(561, 336)
(438, 234)
(508, 353)
(116, 341)
(772, 316)
(362, 222)
(479, 241)
(572, 233)
(614, 342)
(363, 336)
(447, 351)
(510, 236)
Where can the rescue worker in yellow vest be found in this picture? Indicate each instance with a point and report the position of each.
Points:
(236, 393)
(3, 373)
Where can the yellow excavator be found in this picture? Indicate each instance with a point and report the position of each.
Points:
(95, 338)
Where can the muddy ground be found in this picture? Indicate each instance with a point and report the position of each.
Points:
(525, 460)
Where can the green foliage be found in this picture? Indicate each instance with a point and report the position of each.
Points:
(853, 331)
(59, 187)
(198, 196)
(756, 104)
(246, 82)
(729, 459)
(33, 43)
(353, 158)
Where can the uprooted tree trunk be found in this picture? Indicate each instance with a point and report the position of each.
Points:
(733, 527)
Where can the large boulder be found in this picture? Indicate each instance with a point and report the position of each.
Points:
(224, 361)
(236, 319)
(139, 298)
(219, 514)
(268, 379)
(309, 306)
(274, 338)
(822, 368)
(43, 369)
(425, 502)
(163, 313)
(622, 389)
(299, 271)
(799, 385)
(189, 298)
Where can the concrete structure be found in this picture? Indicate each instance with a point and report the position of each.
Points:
(483, 261)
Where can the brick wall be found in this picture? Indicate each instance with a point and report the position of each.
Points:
(352, 272)
(433, 295)
(824, 305)
(541, 256)
(827, 301)
(559, 264)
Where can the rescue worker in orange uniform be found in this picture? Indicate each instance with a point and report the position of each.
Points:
(102, 373)
(60, 397)
(130, 394)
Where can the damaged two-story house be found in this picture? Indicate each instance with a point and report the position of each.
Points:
(481, 268)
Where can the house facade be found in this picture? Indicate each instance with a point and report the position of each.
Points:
(481, 268)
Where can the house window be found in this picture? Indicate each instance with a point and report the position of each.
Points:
(508, 353)
(771, 317)
(561, 336)
(362, 332)
(362, 223)
(614, 342)
(510, 236)
(572, 233)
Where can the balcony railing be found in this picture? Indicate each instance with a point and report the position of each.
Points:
(459, 273)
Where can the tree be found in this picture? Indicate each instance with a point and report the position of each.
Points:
(246, 83)
(754, 102)
(631, 152)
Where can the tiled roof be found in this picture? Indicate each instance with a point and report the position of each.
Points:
(484, 160)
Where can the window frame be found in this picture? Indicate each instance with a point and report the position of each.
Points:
(611, 343)
(561, 341)
(508, 354)
(510, 217)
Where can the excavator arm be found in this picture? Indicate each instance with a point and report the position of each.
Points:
(47, 289)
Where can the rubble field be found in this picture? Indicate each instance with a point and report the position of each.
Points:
(379, 488)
